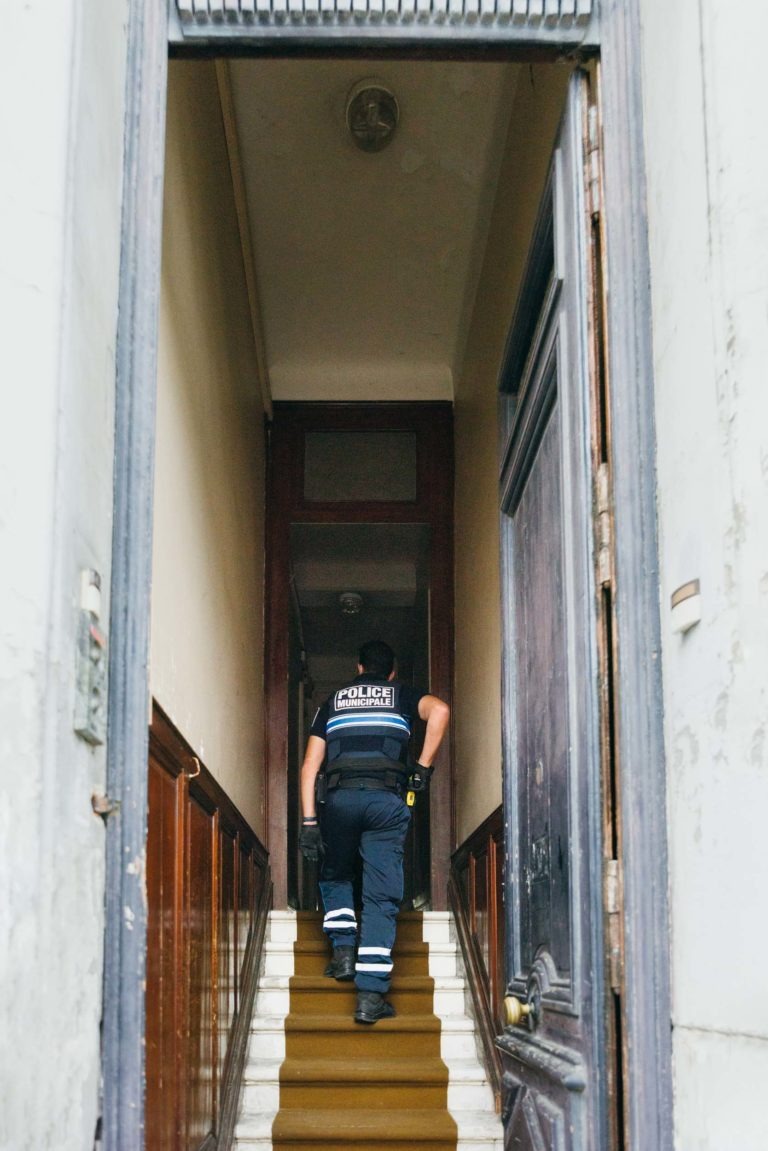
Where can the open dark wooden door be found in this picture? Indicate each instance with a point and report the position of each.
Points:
(554, 1052)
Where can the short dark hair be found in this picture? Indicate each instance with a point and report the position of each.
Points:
(376, 658)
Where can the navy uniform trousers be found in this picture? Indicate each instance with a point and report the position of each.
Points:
(373, 824)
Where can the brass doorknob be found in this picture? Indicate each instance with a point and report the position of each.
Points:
(515, 1011)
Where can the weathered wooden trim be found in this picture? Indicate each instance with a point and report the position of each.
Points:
(647, 1002)
(126, 918)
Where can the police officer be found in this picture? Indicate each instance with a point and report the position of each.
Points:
(361, 733)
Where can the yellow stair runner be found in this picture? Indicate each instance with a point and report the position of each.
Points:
(355, 1087)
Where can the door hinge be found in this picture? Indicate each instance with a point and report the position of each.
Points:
(593, 161)
(604, 526)
(612, 908)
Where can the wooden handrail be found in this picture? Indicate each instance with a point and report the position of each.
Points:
(209, 893)
(483, 844)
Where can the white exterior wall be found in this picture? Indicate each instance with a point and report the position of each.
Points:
(61, 135)
(707, 165)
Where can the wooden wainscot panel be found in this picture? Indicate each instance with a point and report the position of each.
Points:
(209, 893)
(163, 1016)
(201, 943)
(476, 895)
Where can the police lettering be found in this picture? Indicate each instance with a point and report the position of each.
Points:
(364, 695)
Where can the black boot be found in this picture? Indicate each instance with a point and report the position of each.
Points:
(342, 966)
(372, 1006)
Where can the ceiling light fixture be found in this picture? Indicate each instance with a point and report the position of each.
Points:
(372, 115)
(350, 602)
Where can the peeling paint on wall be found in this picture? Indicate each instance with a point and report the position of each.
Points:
(59, 254)
(708, 230)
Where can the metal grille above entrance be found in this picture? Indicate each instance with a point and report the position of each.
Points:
(556, 25)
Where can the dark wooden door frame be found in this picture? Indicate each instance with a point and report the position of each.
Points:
(641, 747)
(432, 423)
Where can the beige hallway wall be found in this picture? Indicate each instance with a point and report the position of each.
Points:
(477, 711)
(207, 598)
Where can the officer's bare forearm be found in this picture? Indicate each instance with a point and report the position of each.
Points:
(437, 715)
(313, 761)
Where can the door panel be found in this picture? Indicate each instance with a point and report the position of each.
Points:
(553, 1057)
(542, 722)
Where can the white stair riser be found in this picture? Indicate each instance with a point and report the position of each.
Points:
(457, 1046)
(469, 1097)
(442, 965)
(449, 1001)
(256, 1098)
(253, 1103)
(273, 1001)
(278, 963)
(436, 927)
(283, 931)
(266, 1045)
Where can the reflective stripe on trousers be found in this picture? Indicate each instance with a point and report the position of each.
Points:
(373, 825)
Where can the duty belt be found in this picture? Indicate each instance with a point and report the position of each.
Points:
(364, 783)
(364, 778)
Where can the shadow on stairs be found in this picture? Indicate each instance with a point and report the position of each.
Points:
(316, 1079)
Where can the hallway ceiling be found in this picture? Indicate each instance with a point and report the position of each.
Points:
(367, 264)
(387, 565)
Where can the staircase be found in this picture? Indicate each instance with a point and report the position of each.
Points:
(316, 1079)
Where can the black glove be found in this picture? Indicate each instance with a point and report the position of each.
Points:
(311, 843)
(419, 777)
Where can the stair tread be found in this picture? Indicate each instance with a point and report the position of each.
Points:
(479, 1124)
(320, 947)
(466, 1070)
(402, 916)
(395, 1069)
(297, 1022)
(261, 1023)
(346, 1023)
(417, 1125)
(324, 983)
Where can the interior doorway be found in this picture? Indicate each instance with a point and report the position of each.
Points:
(359, 546)
(351, 583)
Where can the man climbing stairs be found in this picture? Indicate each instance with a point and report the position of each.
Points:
(316, 1079)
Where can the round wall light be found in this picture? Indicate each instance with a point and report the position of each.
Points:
(350, 602)
(372, 115)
